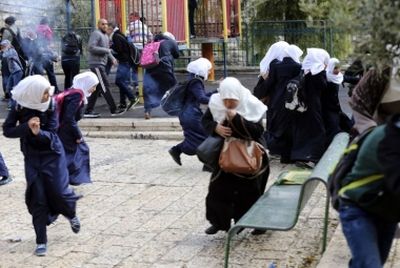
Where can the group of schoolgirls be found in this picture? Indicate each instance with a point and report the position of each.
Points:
(55, 153)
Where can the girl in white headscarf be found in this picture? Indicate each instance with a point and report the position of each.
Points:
(234, 111)
(334, 119)
(190, 116)
(76, 150)
(33, 120)
(309, 136)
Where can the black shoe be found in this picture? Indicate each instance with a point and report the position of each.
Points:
(118, 112)
(211, 230)
(121, 106)
(132, 103)
(91, 115)
(175, 155)
(75, 224)
(41, 250)
(258, 232)
(5, 180)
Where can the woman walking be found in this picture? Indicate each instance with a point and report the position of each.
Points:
(32, 118)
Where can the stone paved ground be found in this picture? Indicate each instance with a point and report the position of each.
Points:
(145, 211)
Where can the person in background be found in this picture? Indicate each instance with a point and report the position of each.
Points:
(76, 149)
(120, 46)
(99, 54)
(190, 116)
(33, 120)
(71, 56)
(159, 79)
(229, 195)
(138, 32)
(48, 56)
(15, 68)
(192, 9)
(5, 176)
(4, 77)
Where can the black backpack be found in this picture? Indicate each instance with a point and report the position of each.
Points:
(344, 166)
(295, 95)
(70, 44)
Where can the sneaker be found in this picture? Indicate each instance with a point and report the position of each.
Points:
(147, 116)
(41, 250)
(132, 103)
(91, 115)
(121, 106)
(306, 165)
(75, 224)
(5, 180)
(118, 112)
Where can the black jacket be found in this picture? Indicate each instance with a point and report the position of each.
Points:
(121, 46)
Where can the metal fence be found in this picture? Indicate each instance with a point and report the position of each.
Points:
(248, 49)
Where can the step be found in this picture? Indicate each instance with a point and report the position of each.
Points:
(123, 124)
(136, 135)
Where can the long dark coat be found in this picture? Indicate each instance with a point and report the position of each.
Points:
(44, 161)
(309, 130)
(190, 117)
(3, 167)
(279, 123)
(229, 196)
(331, 110)
(159, 79)
(77, 154)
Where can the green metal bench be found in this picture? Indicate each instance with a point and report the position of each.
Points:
(290, 199)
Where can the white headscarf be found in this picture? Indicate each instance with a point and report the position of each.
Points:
(294, 52)
(251, 108)
(84, 82)
(330, 76)
(315, 61)
(29, 92)
(200, 67)
(169, 35)
(275, 51)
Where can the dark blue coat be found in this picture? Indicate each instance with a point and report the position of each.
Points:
(44, 158)
(159, 79)
(190, 116)
(77, 154)
(309, 134)
(3, 167)
(279, 120)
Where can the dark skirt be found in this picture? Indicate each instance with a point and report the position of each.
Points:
(78, 163)
(3, 167)
(193, 131)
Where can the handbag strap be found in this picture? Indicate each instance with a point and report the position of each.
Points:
(238, 132)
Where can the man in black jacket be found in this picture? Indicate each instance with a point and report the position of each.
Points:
(121, 46)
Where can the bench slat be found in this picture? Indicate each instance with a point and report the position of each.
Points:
(276, 209)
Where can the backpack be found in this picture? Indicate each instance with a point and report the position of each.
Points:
(59, 100)
(134, 54)
(173, 100)
(70, 44)
(344, 166)
(150, 57)
(294, 95)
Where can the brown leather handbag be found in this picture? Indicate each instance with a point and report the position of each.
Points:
(243, 156)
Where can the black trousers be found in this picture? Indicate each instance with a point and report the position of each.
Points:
(71, 67)
(191, 20)
(103, 88)
(39, 209)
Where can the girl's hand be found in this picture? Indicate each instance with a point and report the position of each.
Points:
(223, 131)
(34, 125)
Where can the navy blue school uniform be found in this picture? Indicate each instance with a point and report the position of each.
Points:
(77, 154)
(190, 117)
(280, 125)
(230, 196)
(309, 130)
(158, 80)
(47, 188)
(3, 168)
